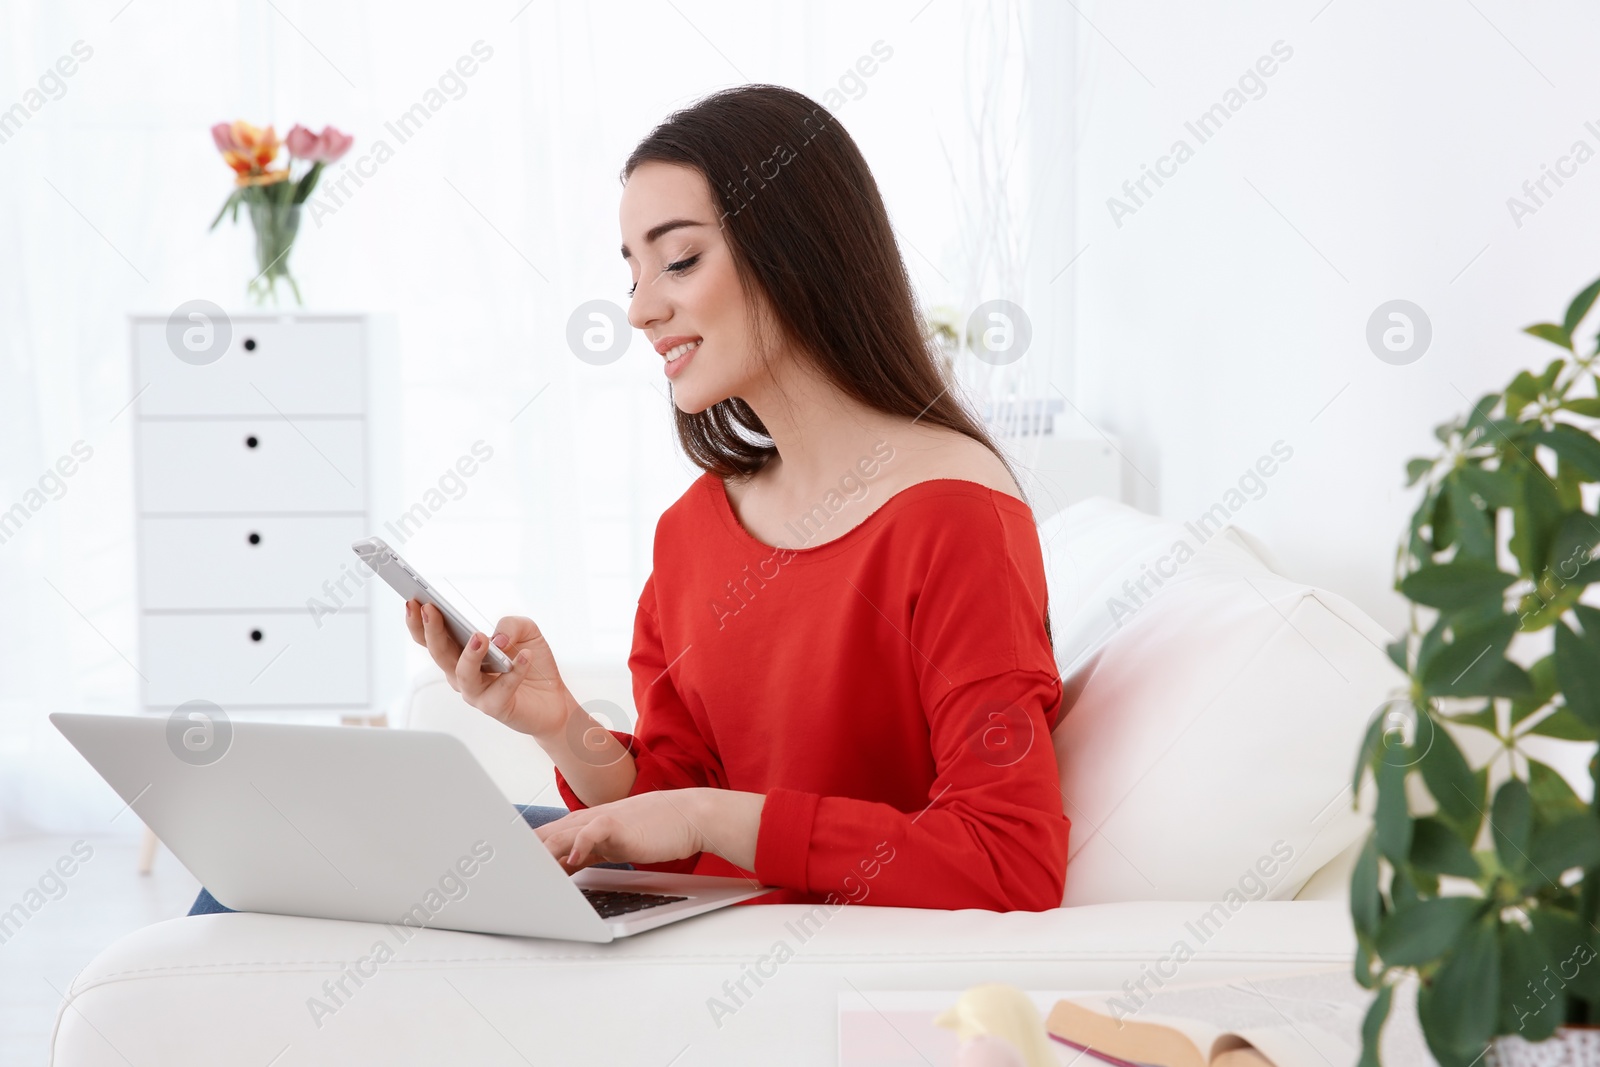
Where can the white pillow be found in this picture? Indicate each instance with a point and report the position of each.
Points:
(1097, 551)
(1208, 752)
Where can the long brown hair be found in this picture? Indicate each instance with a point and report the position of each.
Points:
(808, 231)
(807, 228)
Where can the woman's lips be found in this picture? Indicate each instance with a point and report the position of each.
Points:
(673, 368)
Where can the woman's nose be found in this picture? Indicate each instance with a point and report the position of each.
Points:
(645, 307)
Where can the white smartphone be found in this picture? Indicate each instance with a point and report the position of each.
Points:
(403, 579)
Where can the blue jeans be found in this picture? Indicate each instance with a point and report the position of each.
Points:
(206, 904)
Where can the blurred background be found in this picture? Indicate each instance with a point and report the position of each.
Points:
(1197, 211)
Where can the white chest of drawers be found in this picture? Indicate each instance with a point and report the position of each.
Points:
(253, 472)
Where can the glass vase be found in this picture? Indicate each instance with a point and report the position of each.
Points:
(276, 224)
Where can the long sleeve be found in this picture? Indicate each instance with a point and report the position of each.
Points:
(992, 836)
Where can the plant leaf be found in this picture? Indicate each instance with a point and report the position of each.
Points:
(1460, 1008)
(1484, 719)
(1573, 841)
(233, 202)
(1474, 527)
(1449, 778)
(1543, 676)
(1535, 519)
(1552, 795)
(1535, 613)
(1366, 902)
(1549, 331)
(1573, 446)
(1369, 745)
(1498, 488)
(1574, 540)
(1364, 975)
(1482, 412)
(1397, 650)
(1415, 469)
(1405, 888)
(1443, 525)
(1569, 949)
(1580, 307)
(1392, 820)
(1436, 848)
(1372, 1026)
(1474, 664)
(1522, 966)
(1510, 821)
(1570, 480)
(1455, 585)
(1422, 933)
(1583, 405)
(1577, 659)
(1552, 371)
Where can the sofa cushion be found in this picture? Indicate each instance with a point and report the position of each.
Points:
(1216, 716)
(1098, 550)
(253, 989)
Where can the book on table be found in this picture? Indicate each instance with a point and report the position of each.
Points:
(1304, 1020)
(1307, 1019)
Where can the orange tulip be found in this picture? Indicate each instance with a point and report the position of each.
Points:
(246, 148)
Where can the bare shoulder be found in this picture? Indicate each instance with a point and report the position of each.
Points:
(936, 452)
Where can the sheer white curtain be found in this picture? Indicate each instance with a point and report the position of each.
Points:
(482, 231)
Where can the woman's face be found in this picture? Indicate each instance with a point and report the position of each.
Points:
(685, 288)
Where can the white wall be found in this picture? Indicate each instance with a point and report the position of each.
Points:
(1209, 328)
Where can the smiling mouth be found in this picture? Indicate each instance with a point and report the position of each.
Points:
(672, 355)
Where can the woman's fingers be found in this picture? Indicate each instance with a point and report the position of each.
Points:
(581, 838)
(442, 645)
(559, 835)
(469, 664)
(414, 623)
(516, 629)
(516, 632)
(589, 844)
(499, 697)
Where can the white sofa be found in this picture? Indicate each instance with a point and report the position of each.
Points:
(1205, 730)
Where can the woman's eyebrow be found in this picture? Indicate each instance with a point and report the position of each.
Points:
(659, 229)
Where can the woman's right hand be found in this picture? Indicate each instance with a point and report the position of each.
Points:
(531, 698)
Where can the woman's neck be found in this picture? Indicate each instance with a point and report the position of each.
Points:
(820, 432)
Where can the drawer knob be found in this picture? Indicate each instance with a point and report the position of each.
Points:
(255, 635)
(249, 344)
(251, 442)
(255, 538)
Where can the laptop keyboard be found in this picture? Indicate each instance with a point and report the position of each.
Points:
(613, 902)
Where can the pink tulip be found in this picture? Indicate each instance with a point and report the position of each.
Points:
(334, 144)
(222, 134)
(326, 147)
(301, 141)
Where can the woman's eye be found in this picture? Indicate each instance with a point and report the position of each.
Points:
(678, 267)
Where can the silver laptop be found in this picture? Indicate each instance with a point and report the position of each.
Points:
(378, 825)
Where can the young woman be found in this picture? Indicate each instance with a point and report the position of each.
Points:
(841, 660)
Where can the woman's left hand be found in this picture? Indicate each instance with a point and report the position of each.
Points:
(651, 827)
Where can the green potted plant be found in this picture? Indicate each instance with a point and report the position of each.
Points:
(1484, 882)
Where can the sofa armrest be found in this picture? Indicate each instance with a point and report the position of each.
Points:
(1332, 880)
